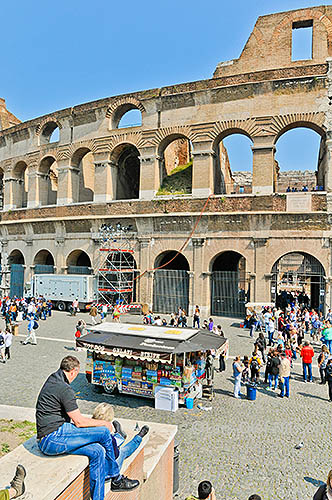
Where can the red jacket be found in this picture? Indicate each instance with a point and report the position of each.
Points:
(307, 353)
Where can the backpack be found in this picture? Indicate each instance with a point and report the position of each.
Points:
(78, 334)
(2, 340)
(254, 364)
(35, 325)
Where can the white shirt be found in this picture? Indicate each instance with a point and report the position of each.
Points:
(8, 339)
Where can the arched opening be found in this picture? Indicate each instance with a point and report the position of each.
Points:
(300, 161)
(78, 262)
(298, 276)
(116, 283)
(171, 283)
(16, 264)
(126, 156)
(230, 285)
(127, 115)
(233, 163)
(48, 181)
(175, 164)
(43, 262)
(50, 133)
(21, 186)
(84, 190)
(132, 118)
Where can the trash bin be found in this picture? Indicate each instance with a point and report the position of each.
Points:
(176, 468)
(15, 330)
(251, 392)
(190, 403)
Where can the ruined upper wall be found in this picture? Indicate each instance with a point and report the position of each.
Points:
(7, 119)
(270, 43)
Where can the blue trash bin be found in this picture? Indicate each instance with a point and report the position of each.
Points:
(190, 403)
(251, 393)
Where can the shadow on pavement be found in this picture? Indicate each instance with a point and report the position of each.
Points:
(307, 395)
(315, 482)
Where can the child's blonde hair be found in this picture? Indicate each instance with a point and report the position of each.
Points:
(104, 411)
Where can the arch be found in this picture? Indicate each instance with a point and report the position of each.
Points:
(20, 189)
(83, 159)
(43, 262)
(127, 158)
(131, 118)
(285, 127)
(175, 164)
(171, 283)
(173, 260)
(47, 130)
(120, 107)
(298, 275)
(230, 285)
(78, 262)
(300, 159)
(16, 257)
(233, 161)
(48, 180)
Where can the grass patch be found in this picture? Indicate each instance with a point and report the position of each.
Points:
(179, 181)
(13, 433)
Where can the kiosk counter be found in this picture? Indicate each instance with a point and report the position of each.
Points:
(139, 359)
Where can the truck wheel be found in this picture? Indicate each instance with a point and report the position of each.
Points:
(110, 387)
(61, 306)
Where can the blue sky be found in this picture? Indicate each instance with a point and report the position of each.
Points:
(58, 54)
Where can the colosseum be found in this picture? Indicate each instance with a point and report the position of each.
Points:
(65, 174)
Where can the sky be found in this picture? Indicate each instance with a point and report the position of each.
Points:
(59, 54)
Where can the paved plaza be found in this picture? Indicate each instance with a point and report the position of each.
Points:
(242, 446)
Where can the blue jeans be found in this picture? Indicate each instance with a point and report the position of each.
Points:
(329, 345)
(307, 366)
(128, 449)
(237, 386)
(271, 341)
(285, 385)
(273, 378)
(96, 443)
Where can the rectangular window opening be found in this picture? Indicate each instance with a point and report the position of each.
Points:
(302, 32)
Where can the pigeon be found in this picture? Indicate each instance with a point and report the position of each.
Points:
(299, 446)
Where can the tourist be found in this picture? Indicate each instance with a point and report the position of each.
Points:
(2, 347)
(307, 353)
(245, 373)
(328, 377)
(8, 336)
(270, 330)
(93, 313)
(104, 411)
(327, 334)
(238, 368)
(324, 492)
(284, 374)
(74, 307)
(17, 486)
(252, 323)
(274, 371)
(255, 365)
(196, 316)
(260, 344)
(61, 428)
(210, 324)
(323, 358)
(104, 311)
(205, 492)
(222, 361)
(31, 337)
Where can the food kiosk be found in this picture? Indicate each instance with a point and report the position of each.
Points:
(141, 359)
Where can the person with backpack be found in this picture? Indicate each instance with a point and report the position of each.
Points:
(255, 365)
(31, 337)
(2, 347)
(260, 345)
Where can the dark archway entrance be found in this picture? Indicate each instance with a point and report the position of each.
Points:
(298, 276)
(230, 286)
(171, 283)
(16, 263)
(79, 262)
(44, 262)
(128, 178)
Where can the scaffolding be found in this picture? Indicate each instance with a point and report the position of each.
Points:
(116, 267)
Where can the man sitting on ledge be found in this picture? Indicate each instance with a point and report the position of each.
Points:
(62, 429)
(17, 486)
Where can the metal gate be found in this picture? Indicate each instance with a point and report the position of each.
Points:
(79, 270)
(170, 290)
(230, 290)
(44, 269)
(16, 280)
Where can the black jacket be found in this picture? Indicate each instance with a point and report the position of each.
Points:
(321, 493)
(275, 362)
(328, 372)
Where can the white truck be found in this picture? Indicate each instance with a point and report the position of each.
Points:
(62, 289)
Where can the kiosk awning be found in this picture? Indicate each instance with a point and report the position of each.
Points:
(146, 344)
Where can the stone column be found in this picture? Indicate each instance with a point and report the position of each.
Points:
(203, 169)
(262, 273)
(68, 183)
(144, 288)
(263, 166)
(150, 175)
(5, 270)
(106, 173)
(199, 293)
(12, 192)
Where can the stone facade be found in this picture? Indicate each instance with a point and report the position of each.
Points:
(56, 195)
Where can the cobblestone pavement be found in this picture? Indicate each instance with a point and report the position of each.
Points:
(242, 446)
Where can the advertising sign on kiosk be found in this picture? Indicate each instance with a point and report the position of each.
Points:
(139, 359)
